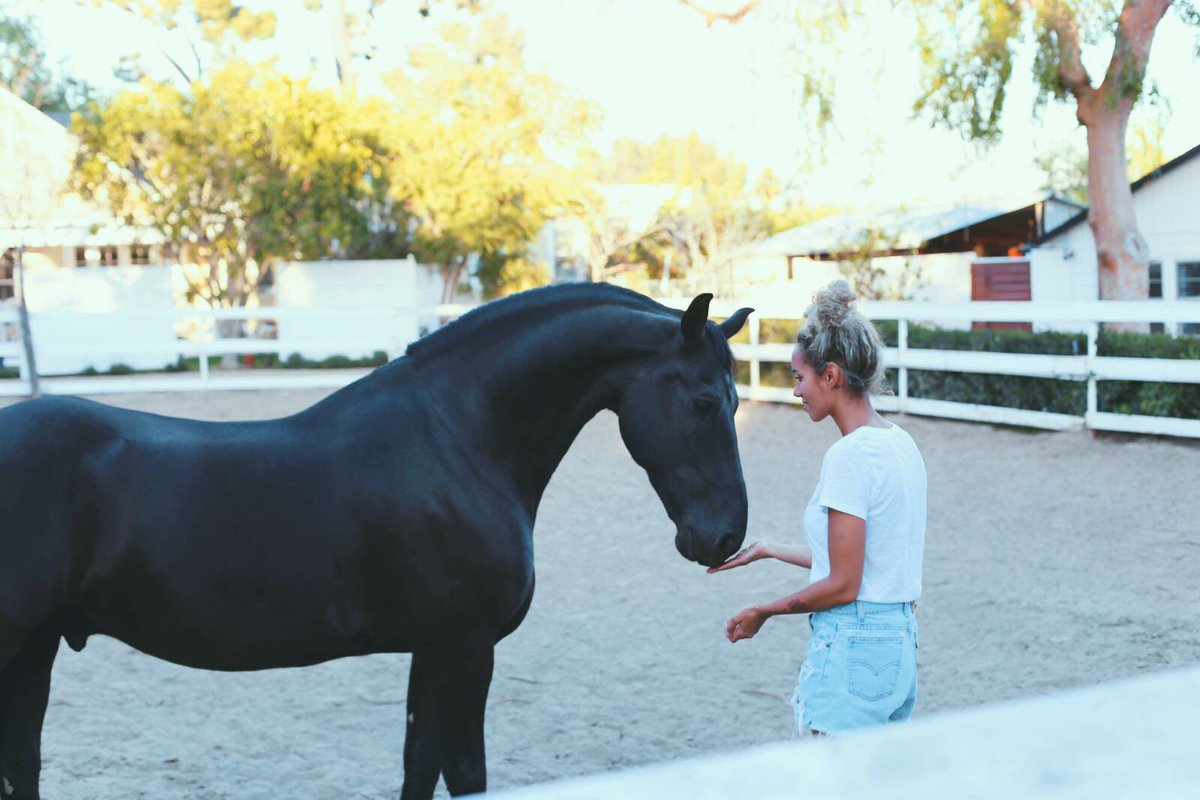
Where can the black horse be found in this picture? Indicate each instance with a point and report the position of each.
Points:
(396, 515)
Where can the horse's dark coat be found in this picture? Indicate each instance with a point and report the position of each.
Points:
(394, 516)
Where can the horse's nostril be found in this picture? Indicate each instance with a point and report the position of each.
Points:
(727, 546)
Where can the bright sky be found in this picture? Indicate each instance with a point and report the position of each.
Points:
(654, 68)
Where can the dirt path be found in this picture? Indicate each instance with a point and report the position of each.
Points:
(1053, 560)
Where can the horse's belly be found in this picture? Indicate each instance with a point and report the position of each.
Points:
(235, 613)
(255, 639)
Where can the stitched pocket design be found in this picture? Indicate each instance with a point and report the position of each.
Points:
(875, 665)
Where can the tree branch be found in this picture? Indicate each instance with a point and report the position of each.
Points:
(1059, 18)
(1131, 49)
(712, 17)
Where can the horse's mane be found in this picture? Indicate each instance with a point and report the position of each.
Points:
(531, 305)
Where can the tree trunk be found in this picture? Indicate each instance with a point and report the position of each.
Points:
(451, 275)
(31, 370)
(1122, 255)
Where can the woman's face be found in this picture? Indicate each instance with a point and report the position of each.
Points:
(814, 389)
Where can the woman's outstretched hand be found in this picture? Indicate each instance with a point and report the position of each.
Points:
(745, 624)
(743, 557)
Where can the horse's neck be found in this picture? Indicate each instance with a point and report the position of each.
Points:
(537, 392)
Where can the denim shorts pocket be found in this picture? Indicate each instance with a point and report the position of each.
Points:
(874, 663)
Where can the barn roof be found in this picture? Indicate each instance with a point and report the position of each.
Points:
(918, 229)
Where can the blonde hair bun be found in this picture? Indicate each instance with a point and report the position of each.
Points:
(832, 304)
(835, 332)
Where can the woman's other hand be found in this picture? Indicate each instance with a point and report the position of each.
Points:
(743, 557)
(745, 624)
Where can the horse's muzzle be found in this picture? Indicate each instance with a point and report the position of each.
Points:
(704, 550)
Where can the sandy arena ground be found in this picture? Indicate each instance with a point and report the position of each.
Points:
(1053, 560)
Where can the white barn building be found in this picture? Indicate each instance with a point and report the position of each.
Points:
(1166, 203)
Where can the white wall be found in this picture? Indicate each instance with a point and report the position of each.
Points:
(106, 296)
(366, 306)
(101, 316)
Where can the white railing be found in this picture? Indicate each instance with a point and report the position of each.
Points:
(1086, 367)
(1133, 738)
(203, 348)
(1077, 317)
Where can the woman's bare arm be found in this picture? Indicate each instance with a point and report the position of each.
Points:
(798, 554)
(847, 549)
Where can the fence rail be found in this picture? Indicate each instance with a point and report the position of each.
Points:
(1085, 318)
(1089, 367)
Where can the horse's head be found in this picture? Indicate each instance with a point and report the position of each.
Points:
(676, 415)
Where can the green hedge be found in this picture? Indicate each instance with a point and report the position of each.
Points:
(1035, 394)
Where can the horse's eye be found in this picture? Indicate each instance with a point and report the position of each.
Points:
(703, 405)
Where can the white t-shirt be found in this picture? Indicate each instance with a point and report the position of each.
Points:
(876, 474)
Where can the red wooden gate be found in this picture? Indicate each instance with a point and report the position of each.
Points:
(1001, 279)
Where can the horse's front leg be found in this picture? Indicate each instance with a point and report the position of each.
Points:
(24, 692)
(447, 695)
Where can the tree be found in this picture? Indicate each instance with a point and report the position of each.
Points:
(29, 188)
(1065, 167)
(25, 73)
(240, 172)
(711, 220)
(352, 23)
(216, 26)
(859, 263)
(968, 54)
(610, 232)
(218, 29)
(470, 141)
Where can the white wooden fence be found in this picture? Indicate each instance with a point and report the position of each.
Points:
(404, 321)
(1134, 738)
(1088, 366)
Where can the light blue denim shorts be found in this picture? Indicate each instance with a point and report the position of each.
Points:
(860, 670)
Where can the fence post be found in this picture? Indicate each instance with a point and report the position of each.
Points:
(203, 361)
(1093, 404)
(902, 347)
(754, 363)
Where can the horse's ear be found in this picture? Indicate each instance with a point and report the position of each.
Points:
(731, 326)
(694, 318)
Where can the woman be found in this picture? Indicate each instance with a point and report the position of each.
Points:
(865, 527)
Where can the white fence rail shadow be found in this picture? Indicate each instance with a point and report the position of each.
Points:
(1086, 367)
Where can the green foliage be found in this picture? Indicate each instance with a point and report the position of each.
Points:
(1008, 391)
(1149, 397)
(244, 170)
(993, 341)
(293, 361)
(687, 162)
(218, 21)
(25, 73)
(967, 55)
(1065, 172)
(471, 142)
(716, 213)
(503, 275)
(1143, 345)
(297, 361)
(770, 331)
